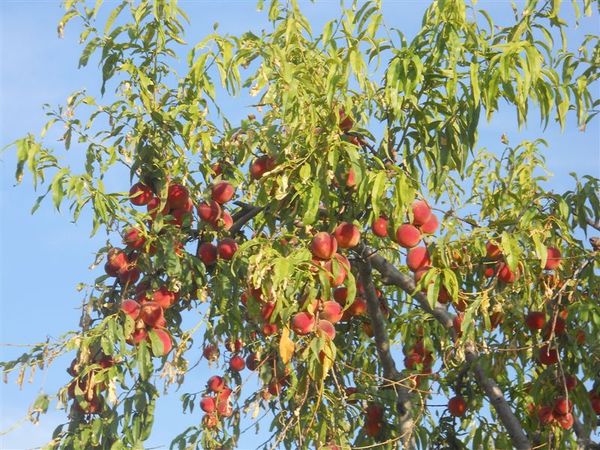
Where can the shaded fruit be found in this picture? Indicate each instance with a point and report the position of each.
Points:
(457, 406)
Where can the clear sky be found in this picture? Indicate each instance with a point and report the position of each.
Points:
(43, 257)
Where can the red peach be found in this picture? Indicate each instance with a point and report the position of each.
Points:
(346, 122)
(373, 428)
(379, 227)
(207, 404)
(421, 212)
(562, 406)
(129, 275)
(178, 196)
(327, 328)
(165, 338)
(374, 412)
(570, 382)
(134, 238)
(457, 406)
(252, 361)
(215, 383)
(117, 261)
(260, 166)
(211, 352)
(207, 253)
(340, 294)
(339, 272)
(222, 192)
(236, 363)
(492, 250)
(347, 235)
(358, 307)
(227, 248)
(131, 308)
(267, 311)
(548, 355)
(140, 194)
(138, 336)
(323, 245)
(153, 208)
(535, 320)
(303, 323)
(209, 211)
(332, 311)
(269, 329)
(164, 297)
(505, 274)
(151, 313)
(566, 421)
(408, 235)
(431, 225)
(545, 415)
(418, 258)
(553, 260)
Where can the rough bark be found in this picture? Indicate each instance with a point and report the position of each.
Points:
(391, 275)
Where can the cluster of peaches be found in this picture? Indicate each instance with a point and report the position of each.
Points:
(87, 386)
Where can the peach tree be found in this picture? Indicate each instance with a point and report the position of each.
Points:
(347, 254)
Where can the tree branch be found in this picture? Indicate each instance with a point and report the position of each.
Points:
(391, 275)
(382, 342)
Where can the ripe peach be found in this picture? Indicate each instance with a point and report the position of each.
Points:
(164, 297)
(131, 308)
(548, 355)
(260, 166)
(408, 235)
(340, 271)
(177, 196)
(595, 401)
(252, 361)
(117, 261)
(545, 415)
(560, 327)
(566, 421)
(211, 352)
(457, 324)
(217, 169)
(347, 235)
(269, 329)
(207, 404)
(137, 336)
(492, 251)
(351, 179)
(505, 274)
(374, 412)
(457, 406)
(165, 338)
(222, 192)
(209, 211)
(327, 328)
(379, 227)
(323, 245)
(418, 258)
(431, 225)
(332, 311)
(373, 428)
(358, 307)
(207, 253)
(236, 363)
(340, 295)
(535, 320)
(489, 272)
(129, 275)
(562, 406)
(223, 402)
(225, 221)
(570, 382)
(346, 122)
(134, 238)
(553, 260)
(151, 313)
(215, 383)
(267, 311)
(153, 208)
(140, 194)
(180, 217)
(421, 212)
(412, 359)
(227, 248)
(303, 323)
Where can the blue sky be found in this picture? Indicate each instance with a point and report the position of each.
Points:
(43, 257)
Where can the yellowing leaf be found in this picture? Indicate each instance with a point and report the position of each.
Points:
(286, 346)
